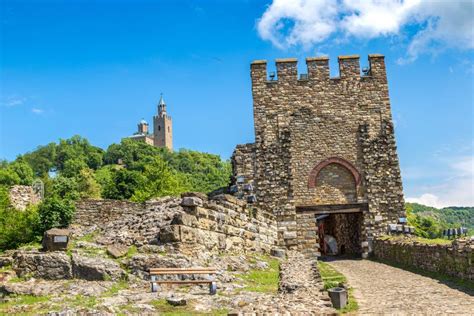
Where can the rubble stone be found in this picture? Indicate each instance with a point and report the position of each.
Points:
(96, 269)
(46, 265)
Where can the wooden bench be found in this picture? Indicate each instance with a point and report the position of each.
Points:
(155, 272)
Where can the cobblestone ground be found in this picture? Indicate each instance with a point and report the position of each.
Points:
(385, 290)
(300, 291)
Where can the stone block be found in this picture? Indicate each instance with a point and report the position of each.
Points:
(45, 265)
(117, 250)
(170, 233)
(191, 201)
(184, 219)
(96, 269)
(56, 239)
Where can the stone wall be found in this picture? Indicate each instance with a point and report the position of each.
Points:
(455, 260)
(222, 223)
(323, 141)
(23, 195)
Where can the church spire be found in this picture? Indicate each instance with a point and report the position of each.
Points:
(161, 105)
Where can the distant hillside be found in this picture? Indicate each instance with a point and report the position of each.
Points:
(434, 220)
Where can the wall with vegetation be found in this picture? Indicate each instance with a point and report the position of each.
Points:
(455, 259)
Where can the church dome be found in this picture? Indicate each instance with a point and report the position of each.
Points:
(143, 122)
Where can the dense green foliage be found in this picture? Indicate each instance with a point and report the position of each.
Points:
(429, 222)
(16, 228)
(73, 169)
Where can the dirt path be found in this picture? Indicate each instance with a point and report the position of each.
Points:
(384, 290)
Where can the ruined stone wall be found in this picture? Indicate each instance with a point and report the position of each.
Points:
(302, 123)
(222, 223)
(23, 195)
(383, 180)
(455, 260)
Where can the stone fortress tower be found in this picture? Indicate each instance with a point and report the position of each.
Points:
(162, 129)
(324, 161)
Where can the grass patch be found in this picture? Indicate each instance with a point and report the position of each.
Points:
(132, 250)
(332, 278)
(421, 240)
(83, 301)
(163, 308)
(21, 300)
(90, 237)
(464, 285)
(115, 288)
(262, 281)
(34, 245)
(24, 278)
(6, 268)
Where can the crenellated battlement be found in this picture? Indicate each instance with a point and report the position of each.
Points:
(317, 70)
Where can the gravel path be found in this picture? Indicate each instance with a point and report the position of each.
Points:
(385, 290)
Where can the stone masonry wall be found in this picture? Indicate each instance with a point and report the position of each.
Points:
(302, 123)
(455, 260)
(222, 223)
(23, 195)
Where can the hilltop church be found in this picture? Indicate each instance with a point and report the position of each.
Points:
(162, 129)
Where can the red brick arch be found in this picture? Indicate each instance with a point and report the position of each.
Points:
(313, 175)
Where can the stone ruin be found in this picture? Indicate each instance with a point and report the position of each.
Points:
(324, 161)
(23, 195)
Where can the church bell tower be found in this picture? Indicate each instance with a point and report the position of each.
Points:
(163, 127)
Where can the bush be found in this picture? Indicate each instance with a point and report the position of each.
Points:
(54, 212)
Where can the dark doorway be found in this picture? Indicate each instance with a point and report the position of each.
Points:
(344, 229)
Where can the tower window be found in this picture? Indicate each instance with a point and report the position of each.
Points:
(168, 128)
(159, 127)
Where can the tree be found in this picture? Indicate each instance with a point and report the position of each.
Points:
(54, 212)
(23, 170)
(160, 180)
(87, 186)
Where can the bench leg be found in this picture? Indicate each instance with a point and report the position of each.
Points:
(154, 287)
(213, 288)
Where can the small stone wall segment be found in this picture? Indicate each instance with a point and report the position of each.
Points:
(222, 223)
(455, 260)
(23, 195)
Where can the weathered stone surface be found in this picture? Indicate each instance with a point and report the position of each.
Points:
(176, 301)
(223, 224)
(454, 260)
(96, 269)
(191, 201)
(5, 261)
(56, 239)
(278, 252)
(200, 195)
(117, 250)
(49, 265)
(23, 195)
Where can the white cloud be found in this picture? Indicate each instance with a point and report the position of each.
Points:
(13, 100)
(436, 25)
(37, 111)
(287, 23)
(458, 190)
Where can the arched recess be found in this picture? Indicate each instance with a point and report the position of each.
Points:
(313, 175)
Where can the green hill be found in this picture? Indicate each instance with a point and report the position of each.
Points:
(431, 221)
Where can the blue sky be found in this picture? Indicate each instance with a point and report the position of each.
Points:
(95, 68)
